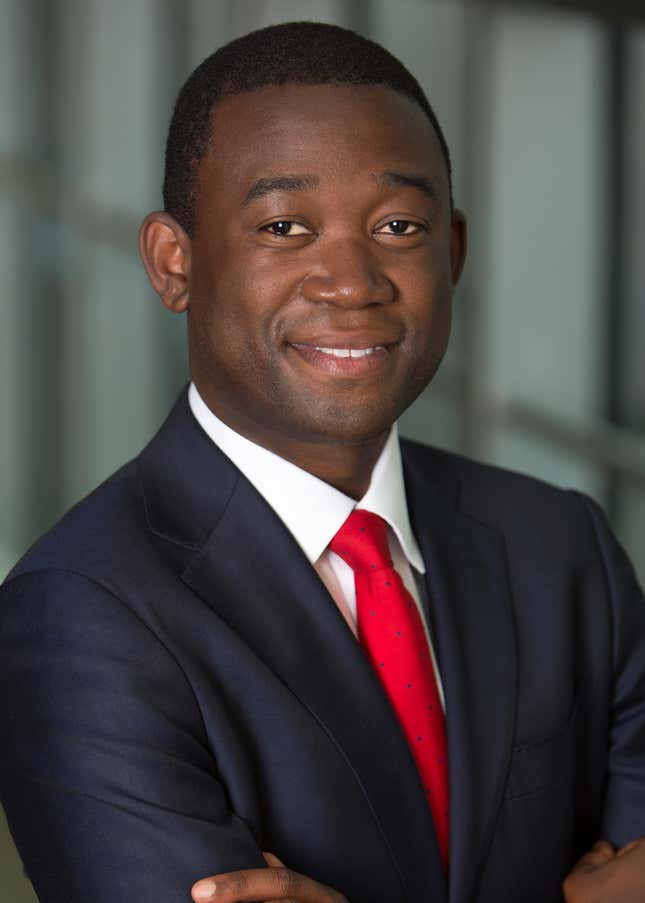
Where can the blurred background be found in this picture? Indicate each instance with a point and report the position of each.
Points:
(543, 105)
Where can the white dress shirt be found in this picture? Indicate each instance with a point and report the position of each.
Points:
(313, 511)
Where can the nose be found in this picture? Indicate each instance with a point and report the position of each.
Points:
(348, 274)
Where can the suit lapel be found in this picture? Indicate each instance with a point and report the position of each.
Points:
(233, 550)
(470, 617)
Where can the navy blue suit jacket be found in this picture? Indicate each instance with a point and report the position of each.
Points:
(179, 691)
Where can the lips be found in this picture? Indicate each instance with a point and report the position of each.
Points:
(350, 352)
(344, 356)
(348, 340)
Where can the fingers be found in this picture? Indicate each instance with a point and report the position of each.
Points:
(273, 884)
(273, 862)
(603, 875)
(600, 854)
(582, 880)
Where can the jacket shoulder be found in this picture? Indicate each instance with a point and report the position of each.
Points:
(515, 503)
(474, 475)
(92, 532)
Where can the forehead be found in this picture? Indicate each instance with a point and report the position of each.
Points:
(327, 130)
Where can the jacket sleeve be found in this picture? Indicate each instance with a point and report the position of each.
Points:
(624, 806)
(109, 786)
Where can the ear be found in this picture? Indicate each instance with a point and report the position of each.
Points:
(458, 243)
(165, 251)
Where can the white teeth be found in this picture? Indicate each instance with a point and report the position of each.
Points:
(349, 352)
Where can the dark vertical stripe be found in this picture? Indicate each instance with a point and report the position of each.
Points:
(357, 17)
(41, 303)
(173, 65)
(615, 195)
(475, 194)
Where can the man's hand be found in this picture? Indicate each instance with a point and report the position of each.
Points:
(603, 876)
(277, 883)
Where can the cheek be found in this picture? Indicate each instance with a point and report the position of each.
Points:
(432, 308)
(439, 327)
(231, 327)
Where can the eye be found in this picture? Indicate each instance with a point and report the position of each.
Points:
(285, 227)
(400, 227)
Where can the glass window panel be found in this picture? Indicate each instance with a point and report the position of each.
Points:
(436, 417)
(112, 364)
(632, 356)
(526, 453)
(269, 12)
(547, 273)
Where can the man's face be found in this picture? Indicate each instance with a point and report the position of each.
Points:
(322, 265)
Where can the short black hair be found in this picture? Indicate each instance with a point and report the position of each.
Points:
(307, 53)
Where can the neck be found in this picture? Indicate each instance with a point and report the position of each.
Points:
(345, 464)
(346, 467)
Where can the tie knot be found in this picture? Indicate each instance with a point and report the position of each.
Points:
(362, 542)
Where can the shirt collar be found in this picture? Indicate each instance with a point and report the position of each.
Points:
(386, 496)
(312, 510)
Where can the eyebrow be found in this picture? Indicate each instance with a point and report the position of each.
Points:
(266, 186)
(409, 180)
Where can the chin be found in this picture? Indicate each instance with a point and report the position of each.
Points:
(341, 417)
(349, 429)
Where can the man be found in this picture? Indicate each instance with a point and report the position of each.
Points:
(195, 682)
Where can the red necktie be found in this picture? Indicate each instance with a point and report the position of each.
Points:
(392, 635)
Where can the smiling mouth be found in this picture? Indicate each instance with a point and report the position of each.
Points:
(343, 362)
(350, 352)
